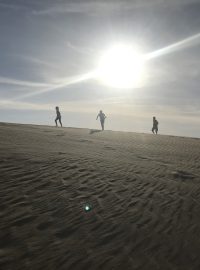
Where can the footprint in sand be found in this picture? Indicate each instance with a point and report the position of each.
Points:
(182, 175)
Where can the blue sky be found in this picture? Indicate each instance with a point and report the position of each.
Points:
(49, 48)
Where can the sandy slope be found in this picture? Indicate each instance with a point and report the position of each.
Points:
(144, 189)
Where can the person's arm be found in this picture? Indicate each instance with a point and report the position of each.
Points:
(97, 116)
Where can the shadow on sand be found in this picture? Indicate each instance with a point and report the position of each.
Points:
(92, 131)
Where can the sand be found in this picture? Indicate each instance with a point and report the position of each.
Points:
(144, 191)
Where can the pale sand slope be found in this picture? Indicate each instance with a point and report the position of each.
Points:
(144, 189)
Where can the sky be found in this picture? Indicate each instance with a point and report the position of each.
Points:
(50, 49)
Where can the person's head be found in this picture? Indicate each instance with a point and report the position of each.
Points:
(57, 108)
(154, 118)
(100, 111)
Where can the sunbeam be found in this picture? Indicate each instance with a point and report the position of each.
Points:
(95, 73)
(64, 83)
(173, 47)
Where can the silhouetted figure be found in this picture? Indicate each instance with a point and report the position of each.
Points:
(58, 116)
(155, 126)
(102, 118)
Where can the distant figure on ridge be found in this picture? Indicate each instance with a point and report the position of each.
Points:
(155, 125)
(58, 116)
(102, 118)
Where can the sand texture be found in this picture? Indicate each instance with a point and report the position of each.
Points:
(144, 191)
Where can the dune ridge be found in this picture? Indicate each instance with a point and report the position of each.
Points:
(144, 191)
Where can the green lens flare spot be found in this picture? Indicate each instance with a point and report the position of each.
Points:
(87, 207)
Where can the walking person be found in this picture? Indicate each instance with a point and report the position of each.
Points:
(58, 116)
(155, 125)
(102, 118)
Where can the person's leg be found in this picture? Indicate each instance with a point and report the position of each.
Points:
(152, 130)
(102, 125)
(60, 122)
(56, 122)
(156, 130)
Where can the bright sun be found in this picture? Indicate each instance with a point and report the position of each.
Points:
(120, 67)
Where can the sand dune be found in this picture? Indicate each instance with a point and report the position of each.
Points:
(144, 191)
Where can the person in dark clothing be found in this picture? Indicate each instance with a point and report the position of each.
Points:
(155, 125)
(58, 117)
(102, 118)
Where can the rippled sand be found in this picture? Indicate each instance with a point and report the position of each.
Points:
(144, 191)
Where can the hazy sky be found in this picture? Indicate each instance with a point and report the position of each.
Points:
(48, 49)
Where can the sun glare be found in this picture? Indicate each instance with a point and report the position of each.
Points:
(120, 67)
